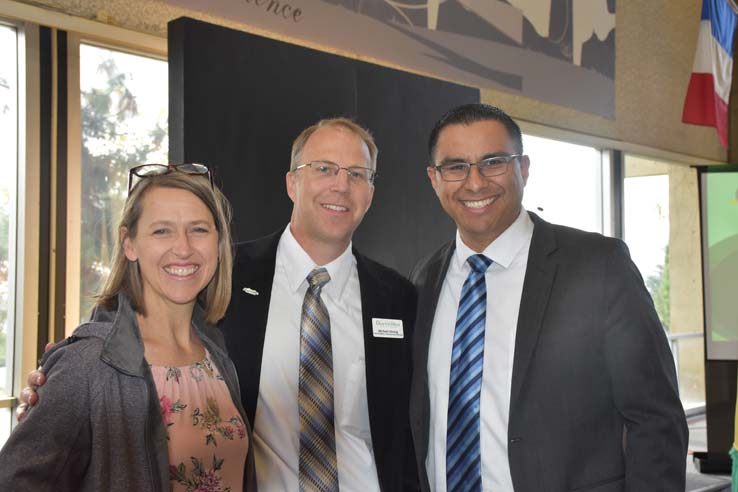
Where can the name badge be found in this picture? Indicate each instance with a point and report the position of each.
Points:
(387, 328)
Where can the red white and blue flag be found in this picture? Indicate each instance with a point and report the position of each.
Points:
(709, 87)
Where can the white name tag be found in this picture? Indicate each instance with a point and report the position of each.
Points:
(387, 328)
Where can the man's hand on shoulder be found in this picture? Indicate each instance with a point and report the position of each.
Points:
(29, 395)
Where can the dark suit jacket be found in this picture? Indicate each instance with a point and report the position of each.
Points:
(384, 294)
(591, 360)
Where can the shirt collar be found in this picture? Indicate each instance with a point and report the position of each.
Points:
(298, 264)
(502, 250)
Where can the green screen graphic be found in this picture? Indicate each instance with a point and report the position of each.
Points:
(720, 236)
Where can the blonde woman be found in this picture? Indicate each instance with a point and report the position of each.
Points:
(144, 397)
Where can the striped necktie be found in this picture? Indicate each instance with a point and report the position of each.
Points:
(318, 468)
(463, 457)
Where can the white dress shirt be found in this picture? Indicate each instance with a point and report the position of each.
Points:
(504, 278)
(277, 421)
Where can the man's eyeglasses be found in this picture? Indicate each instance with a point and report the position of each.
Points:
(138, 173)
(356, 174)
(489, 167)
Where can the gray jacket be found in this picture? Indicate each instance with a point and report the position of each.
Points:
(97, 425)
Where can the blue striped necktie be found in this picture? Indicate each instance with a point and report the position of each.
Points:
(463, 456)
(318, 467)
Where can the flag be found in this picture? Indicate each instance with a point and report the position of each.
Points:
(709, 86)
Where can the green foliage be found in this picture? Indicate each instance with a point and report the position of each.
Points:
(659, 286)
(110, 147)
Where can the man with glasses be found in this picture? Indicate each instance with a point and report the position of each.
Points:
(539, 361)
(320, 334)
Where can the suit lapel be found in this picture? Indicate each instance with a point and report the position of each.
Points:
(373, 300)
(252, 290)
(428, 293)
(539, 278)
(429, 290)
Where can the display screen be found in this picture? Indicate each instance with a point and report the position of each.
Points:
(719, 192)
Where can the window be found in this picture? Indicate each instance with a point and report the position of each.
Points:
(565, 184)
(661, 228)
(8, 205)
(123, 104)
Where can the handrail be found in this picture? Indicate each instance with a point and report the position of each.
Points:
(674, 339)
(680, 336)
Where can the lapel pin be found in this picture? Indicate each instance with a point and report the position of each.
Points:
(251, 291)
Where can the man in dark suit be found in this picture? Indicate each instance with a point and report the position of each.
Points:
(371, 310)
(559, 371)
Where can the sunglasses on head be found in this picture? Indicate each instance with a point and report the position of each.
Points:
(138, 173)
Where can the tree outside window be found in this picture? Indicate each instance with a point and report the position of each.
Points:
(124, 124)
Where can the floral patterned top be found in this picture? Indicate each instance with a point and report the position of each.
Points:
(207, 437)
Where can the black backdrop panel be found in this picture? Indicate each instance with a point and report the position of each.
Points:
(237, 101)
(406, 221)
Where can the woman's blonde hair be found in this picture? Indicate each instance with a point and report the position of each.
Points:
(125, 275)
